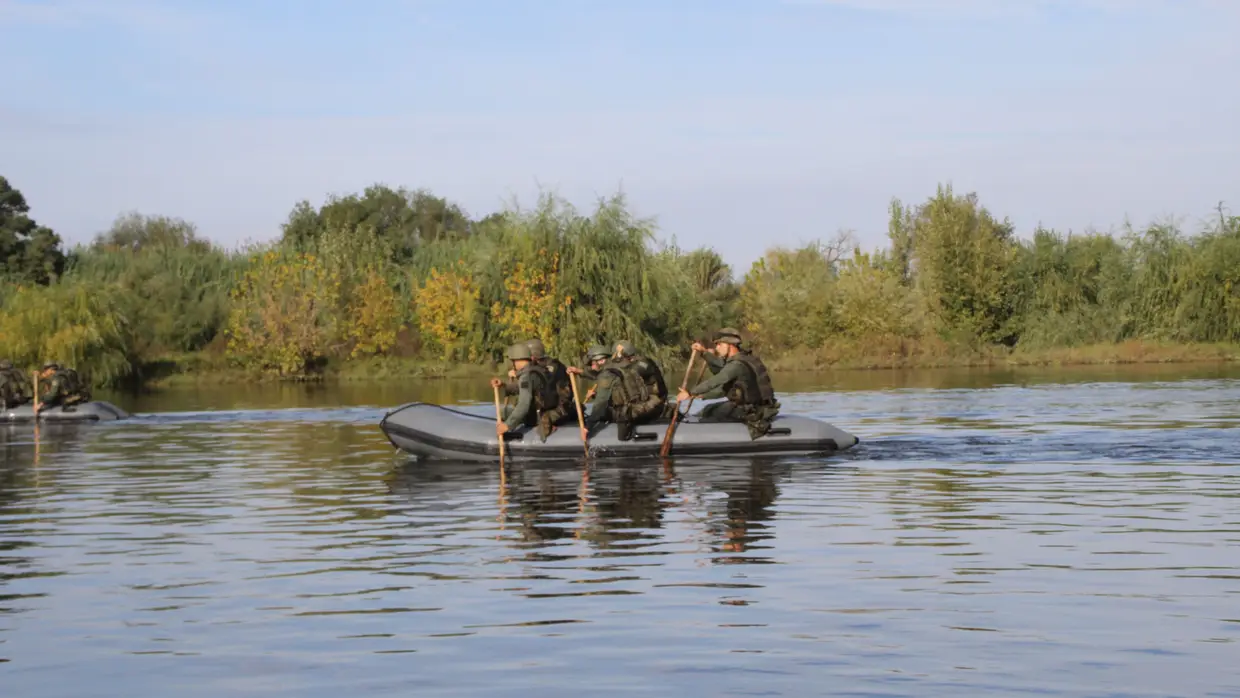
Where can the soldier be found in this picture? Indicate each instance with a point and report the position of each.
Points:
(533, 390)
(60, 386)
(741, 377)
(626, 354)
(623, 397)
(596, 358)
(14, 387)
(557, 374)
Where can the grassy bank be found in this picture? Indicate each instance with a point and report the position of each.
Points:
(199, 369)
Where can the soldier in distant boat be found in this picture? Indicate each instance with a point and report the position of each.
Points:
(14, 387)
(656, 406)
(741, 377)
(557, 374)
(61, 387)
(622, 394)
(535, 393)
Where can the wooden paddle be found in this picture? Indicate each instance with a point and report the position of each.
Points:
(35, 404)
(499, 419)
(671, 428)
(581, 420)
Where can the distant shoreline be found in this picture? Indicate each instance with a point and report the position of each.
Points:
(196, 369)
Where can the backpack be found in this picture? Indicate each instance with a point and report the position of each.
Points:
(74, 385)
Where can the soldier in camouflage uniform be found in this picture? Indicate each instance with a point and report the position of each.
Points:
(14, 387)
(626, 355)
(557, 373)
(622, 396)
(61, 387)
(534, 392)
(741, 377)
(595, 359)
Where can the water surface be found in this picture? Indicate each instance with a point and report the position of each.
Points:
(1000, 534)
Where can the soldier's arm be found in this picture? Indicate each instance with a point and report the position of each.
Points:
(712, 387)
(525, 402)
(715, 363)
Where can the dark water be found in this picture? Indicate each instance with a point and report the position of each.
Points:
(1043, 533)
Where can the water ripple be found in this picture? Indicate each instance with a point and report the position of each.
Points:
(1066, 540)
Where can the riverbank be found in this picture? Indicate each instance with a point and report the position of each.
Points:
(202, 368)
(910, 354)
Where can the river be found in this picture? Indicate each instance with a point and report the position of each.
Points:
(997, 533)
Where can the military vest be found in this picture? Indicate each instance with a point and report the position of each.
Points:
(628, 386)
(12, 385)
(557, 376)
(653, 377)
(754, 387)
(544, 393)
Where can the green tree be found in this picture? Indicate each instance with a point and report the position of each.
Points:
(29, 252)
(963, 263)
(175, 283)
(402, 220)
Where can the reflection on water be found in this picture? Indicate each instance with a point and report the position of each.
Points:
(1074, 539)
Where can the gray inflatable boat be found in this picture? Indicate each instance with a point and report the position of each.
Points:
(434, 431)
(93, 411)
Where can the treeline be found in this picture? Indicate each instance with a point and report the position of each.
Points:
(398, 273)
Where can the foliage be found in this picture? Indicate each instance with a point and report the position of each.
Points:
(75, 324)
(373, 319)
(284, 316)
(531, 306)
(29, 252)
(401, 219)
(789, 298)
(174, 286)
(964, 260)
(446, 306)
(872, 300)
(395, 273)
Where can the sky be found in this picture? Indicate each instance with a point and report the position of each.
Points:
(739, 124)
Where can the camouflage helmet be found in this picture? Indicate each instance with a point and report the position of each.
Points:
(625, 348)
(5, 364)
(50, 366)
(728, 335)
(598, 351)
(519, 351)
(537, 350)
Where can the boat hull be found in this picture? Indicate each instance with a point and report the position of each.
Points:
(93, 411)
(434, 431)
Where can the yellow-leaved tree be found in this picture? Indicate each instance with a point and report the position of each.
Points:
(446, 303)
(285, 314)
(532, 306)
(374, 315)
